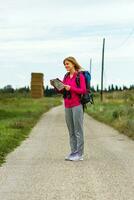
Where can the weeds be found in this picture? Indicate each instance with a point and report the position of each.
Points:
(117, 110)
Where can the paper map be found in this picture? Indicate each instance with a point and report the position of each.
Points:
(57, 83)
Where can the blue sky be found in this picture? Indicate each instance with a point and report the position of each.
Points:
(36, 35)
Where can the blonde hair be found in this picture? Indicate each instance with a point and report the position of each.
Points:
(73, 60)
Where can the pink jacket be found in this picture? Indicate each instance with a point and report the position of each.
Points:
(75, 91)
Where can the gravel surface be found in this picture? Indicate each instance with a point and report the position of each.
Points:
(36, 170)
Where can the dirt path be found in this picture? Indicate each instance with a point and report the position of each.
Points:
(36, 170)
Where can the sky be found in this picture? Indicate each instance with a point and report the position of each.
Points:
(36, 36)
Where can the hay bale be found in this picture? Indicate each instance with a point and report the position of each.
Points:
(37, 75)
(37, 86)
(37, 79)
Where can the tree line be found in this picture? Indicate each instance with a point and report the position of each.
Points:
(51, 91)
(112, 88)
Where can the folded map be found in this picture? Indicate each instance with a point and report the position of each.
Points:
(57, 83)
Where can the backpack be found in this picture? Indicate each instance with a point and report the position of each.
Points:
(88, 97)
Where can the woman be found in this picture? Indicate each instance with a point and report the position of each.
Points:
(74, 108)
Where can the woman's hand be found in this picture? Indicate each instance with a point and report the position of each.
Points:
(67, 87)
(51, 82)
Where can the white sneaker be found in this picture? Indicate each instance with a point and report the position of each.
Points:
(75, 157)
(68, 157)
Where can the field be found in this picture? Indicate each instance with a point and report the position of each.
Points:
(17, 117)
(117, 110)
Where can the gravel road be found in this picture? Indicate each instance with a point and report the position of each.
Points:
(36, 170)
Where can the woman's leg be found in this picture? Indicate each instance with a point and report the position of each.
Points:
(78, 127)
(70, 125)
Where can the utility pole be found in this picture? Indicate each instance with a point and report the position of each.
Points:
(90, 69)
(90, 65)
(102, 71)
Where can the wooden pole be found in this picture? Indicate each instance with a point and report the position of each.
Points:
(90, 65)
(90, 69)
(102, 71)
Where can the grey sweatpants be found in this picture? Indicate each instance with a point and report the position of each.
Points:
(74, 121)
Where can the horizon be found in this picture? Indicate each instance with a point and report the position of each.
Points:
(92, 86)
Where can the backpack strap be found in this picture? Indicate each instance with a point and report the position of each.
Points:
(78, 79)
(66, 75)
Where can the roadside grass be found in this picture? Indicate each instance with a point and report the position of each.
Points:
(117, 110)
(18, 115)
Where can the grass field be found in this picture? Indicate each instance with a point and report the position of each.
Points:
(17, 116)
(117, 110)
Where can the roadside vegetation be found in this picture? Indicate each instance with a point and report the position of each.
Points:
(116, 110)
(18, 115)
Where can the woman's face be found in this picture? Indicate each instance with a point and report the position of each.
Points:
(69, 65)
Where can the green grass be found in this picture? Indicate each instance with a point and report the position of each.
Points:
(117, 110)
(18, 115)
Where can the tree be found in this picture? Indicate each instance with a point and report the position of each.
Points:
(48, 92)
(116, 87)
(112, 87)
(97, 88)
(23, 90)
(131, 87)
(124, 87)
(93, 89)
(105, 90)
(120, 89)
(109, 88)
(8, 89)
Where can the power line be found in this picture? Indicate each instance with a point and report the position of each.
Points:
(125, 40)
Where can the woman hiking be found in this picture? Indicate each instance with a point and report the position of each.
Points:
(73, 108)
